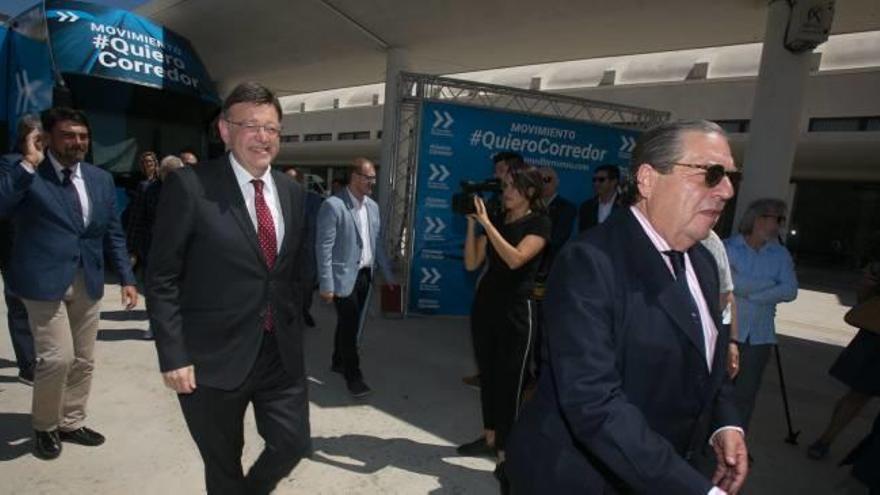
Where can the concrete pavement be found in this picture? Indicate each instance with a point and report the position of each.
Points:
(401, 439)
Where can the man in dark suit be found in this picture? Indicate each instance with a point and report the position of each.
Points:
(634, 379)
(310, 264)
(64, 215)
(225, 298)
(604, 202)
(561, 212)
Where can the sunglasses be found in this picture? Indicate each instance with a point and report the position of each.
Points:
(779, 218)
(715, 173)
(547, 180)
(600, 179)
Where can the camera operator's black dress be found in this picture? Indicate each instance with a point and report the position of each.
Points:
(501, 325)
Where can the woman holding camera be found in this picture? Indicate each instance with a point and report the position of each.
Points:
(501, 317)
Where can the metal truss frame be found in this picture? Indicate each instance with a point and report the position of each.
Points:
(413, 89)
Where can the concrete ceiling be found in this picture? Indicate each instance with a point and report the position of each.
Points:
(297, 46)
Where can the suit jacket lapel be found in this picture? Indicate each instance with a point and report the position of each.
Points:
(286, 212)
(704, 271)
(239, 211)
(91, 189)
(349, 206)
(53, 184)
(659, 280)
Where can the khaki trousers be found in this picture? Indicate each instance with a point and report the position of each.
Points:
(64, 340)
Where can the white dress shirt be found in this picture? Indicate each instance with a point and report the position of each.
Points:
(363, 225)
(605, 208)
(270, 194)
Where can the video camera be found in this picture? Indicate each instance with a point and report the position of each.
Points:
(463, 202)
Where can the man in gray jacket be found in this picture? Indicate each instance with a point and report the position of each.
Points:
(347, 249)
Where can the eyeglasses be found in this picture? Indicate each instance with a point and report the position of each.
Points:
(368, 178)
(271, 130)
(600, 179)
(715, 172)
(780, 219)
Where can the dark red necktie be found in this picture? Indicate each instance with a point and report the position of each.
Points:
(266, 236)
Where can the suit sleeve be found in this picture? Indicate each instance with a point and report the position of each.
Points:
(325, 237)
(564, 222)
(114, 237)
(174, 225)
(14, 183)
(581, 321)
(583, 217)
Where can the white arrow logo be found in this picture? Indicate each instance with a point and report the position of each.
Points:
(435, 225)
(430, 276)
(67, 16)
(438, 173)
(25, 92)
(443, 119)
(629, 144)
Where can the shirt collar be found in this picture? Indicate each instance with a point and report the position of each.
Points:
(243, 177)
(354, 200)
(610, 201)
(75, 174)
(656, 239)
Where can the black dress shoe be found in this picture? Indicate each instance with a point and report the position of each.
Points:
(477, 448)
(309, 321)
(501, 476)
(83, 436)
(357, 388)
(46, 444)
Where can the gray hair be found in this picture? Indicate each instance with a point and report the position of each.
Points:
(168, 164)
(758, 207)
(660, 147)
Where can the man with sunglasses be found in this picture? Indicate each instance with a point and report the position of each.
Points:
(634, 384)
(763, 276)
(597, 209)
(348, 248)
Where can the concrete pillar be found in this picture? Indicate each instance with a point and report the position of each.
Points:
(776, 114)
(395, 62)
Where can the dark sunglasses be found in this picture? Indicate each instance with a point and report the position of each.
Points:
(600, 179)
(547, 180)
(779, 218)
(715, 173)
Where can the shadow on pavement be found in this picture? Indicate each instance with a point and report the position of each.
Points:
(5, 363)
(116, 335)
(133, 315)
(369, 455)
(15, 435)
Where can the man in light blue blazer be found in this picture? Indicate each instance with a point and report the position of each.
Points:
(347, 249)
(64, 213)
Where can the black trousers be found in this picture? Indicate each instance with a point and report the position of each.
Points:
(19, 331)
(216, 422)
(752, 362)
(502, 331)
(349, 312)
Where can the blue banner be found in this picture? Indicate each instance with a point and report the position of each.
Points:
(29, 78)
(105, 42)
(457, 143)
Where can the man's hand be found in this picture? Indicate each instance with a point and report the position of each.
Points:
(181, 380)
(129, 296)
(33, 150)
(732, 360)
(733, 460)
(327, 297)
